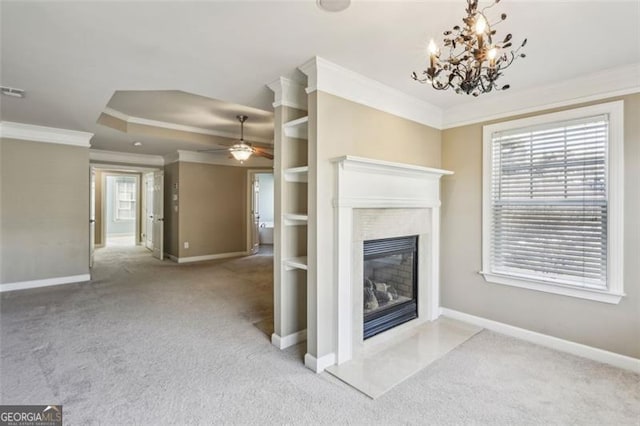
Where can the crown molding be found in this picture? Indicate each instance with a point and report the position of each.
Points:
(125, 157)
(586, 88)
(172, 157)
(209, 158)
(30, 132)
(289, 93)
(179, 127)
(328, 77)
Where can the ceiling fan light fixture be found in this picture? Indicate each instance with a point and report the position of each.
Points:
(241, 151)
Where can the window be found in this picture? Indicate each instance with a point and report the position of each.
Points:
(552, 203)
(125, 205)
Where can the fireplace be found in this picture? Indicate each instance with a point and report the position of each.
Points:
(379, 200)
(390, 283)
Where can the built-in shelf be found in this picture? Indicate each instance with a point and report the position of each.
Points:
(294, 219)
(296, 174)
(296, 263)
(296, 128)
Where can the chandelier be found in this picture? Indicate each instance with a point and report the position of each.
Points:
(241, 151)
(475, 61)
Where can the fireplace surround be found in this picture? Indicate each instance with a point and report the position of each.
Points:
(389, 284)
(379, 200)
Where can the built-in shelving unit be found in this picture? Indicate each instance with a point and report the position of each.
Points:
(296, 174)
(291, 171)
(297, 128)
(295, 219)
(296, 263)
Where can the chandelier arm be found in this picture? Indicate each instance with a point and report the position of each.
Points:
(488, 7)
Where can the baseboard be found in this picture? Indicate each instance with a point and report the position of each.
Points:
(208, 257)
(288, 340)
(589, 352)
(23, 285)
(172, 257)
(319, 364)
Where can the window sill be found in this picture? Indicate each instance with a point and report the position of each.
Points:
(581, 293)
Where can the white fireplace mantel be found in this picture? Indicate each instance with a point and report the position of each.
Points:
(368, 183)
(364, 183)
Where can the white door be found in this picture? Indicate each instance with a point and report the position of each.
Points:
(255, 213)
(157, 233)
(92, 215)
(148, 211)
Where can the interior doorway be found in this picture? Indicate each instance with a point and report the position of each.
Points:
(121, 201)
(127, 209)
(261, 210)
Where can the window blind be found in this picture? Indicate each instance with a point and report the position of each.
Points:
(549, 202)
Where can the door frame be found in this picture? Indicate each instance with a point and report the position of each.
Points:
(248, 215)
(118, 169)
(144, 207)
(103, 225)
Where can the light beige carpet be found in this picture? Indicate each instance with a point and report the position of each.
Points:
(151, 342)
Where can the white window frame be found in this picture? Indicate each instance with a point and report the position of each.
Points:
(116, 204)
(615, 204)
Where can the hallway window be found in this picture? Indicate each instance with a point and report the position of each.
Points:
(125, 205)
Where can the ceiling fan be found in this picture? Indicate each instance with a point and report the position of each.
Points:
(242, 150)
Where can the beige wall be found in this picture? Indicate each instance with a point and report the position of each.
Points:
(171, 216)
(614, 328)
(340, 127)
(212, 209)
(45, 210)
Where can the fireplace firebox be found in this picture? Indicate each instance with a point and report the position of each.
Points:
(390, 285)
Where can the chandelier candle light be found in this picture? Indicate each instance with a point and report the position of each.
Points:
(475, 61)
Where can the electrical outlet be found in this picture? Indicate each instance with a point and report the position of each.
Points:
(186, 244)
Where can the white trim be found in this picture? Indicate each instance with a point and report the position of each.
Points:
(318, 365)
(385, 202)
(615, 186)
(362, 164)
(179, 127)
(208, 257)
(331, 78)
(23, 285)
(122, 168)
(613, 82)
(30, 132)
(564, 290)
(288, 340)
(578, 349)
(172, 157)
(125, 157)
(217, 159)
(288, 93)
(172, 257)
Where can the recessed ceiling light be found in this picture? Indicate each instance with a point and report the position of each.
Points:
(333, 5)
(12, 91)
(137, 143)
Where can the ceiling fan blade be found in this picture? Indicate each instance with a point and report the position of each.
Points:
(262, 153)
